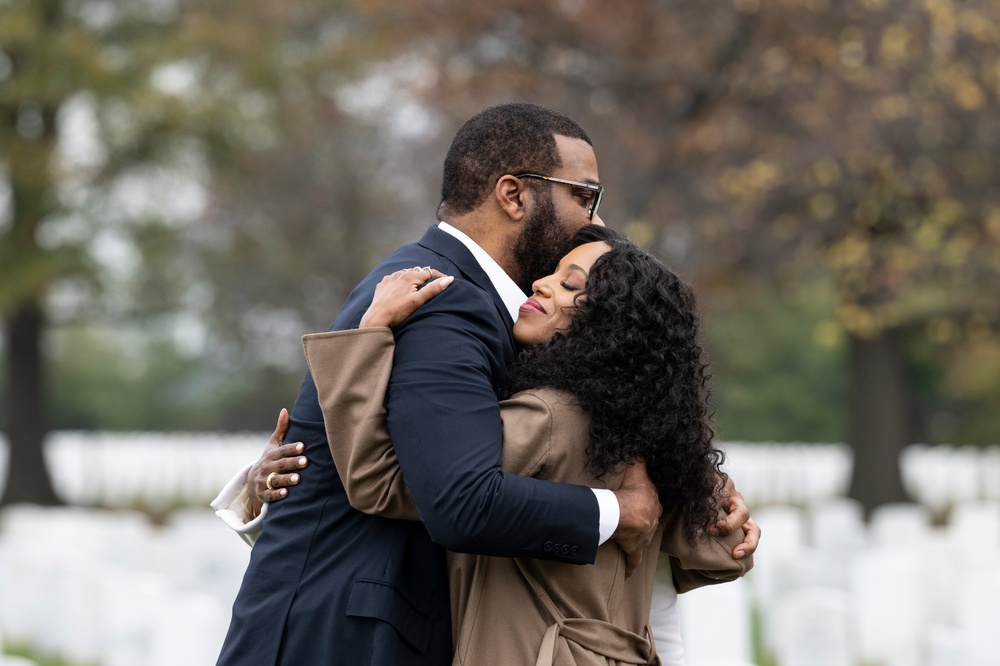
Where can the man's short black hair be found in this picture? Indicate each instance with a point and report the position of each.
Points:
(503, 139)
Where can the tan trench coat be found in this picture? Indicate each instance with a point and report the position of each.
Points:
(510, 610)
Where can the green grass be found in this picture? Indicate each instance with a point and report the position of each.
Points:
(28, 652)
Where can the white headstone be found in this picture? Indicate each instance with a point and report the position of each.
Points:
(838, 534)
(888, 606)
(978, 610)
(900, 524)
(812, 628)
(704, 611)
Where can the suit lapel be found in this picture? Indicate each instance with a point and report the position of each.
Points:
(450, 247)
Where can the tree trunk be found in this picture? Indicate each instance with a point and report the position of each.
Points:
(878, 408)
(27, 477)
(28, 162)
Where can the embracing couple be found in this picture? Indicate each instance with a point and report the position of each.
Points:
(436, 524)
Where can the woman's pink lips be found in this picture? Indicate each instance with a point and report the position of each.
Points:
(531, 305)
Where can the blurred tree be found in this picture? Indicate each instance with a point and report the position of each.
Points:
(877, 156)
(748, 143)
(750, 137)
(112, 114)
(334, 181)
(781, 361)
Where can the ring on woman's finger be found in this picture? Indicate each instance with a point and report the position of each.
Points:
(270, 480)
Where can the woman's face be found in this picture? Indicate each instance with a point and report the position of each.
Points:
(552, 298)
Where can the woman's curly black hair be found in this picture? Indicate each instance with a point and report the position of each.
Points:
(632, 359)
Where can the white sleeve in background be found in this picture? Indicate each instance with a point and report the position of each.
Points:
(607, 504)
(664, 618)
(232, 507)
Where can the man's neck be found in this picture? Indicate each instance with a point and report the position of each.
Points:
(494, 240)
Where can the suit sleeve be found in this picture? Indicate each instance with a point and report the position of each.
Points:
(444, 421)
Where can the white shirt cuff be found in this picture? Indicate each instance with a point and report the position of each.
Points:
(231, 507)
(607, 504)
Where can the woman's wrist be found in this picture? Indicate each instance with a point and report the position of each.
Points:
(374, 320)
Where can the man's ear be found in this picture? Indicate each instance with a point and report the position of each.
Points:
(512, 195)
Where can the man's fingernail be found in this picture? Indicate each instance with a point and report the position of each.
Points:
(294, 478)
(282, 492)
(302, 462)
(299, 447)
(740, 553)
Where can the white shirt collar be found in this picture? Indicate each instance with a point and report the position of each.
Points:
(510, 293)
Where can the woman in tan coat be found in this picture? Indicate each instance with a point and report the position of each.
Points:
(612, 375)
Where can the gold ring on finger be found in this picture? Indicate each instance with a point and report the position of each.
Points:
(270, 480)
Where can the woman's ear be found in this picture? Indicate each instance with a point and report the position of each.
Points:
(512, 195)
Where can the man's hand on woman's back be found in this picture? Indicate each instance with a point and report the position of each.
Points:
(639, 514)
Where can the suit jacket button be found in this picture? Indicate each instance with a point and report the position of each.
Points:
(548, 546)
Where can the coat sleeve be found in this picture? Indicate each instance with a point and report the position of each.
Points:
(706, 560)
(351, 372)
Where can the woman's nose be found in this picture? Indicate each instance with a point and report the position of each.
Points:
(539, 287)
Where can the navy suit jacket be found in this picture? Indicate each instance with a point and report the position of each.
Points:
(329, 585)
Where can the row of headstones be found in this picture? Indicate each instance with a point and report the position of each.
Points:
(826, 626)
(164, 469)
(93, 586)
(802, 474)
(144, 469)
(167, 469)
(829, 588)
(941, 476)
(832, 590)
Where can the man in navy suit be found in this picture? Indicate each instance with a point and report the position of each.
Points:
(329, 585)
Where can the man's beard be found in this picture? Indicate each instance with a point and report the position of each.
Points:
(540, 245)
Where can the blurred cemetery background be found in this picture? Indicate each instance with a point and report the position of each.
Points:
(186, 188)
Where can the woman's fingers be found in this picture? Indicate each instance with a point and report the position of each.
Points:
(270, 477)
(284, 459)
(432, 289)
(281, 429)
(399, 294)
(751, 538)
(276, 486)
